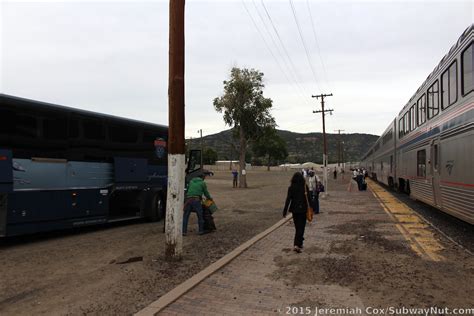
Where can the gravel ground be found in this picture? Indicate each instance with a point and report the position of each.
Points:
(119, 269)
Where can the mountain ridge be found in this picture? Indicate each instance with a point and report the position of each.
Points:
(302, 147)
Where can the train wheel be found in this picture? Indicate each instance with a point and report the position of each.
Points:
(401, 185)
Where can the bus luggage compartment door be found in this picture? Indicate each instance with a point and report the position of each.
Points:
(6, 171)
(130, 170)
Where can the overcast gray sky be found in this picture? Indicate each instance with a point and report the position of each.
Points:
(112, 56)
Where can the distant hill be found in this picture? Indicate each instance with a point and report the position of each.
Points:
(302, 147)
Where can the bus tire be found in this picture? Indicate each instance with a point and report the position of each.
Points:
(157, 207)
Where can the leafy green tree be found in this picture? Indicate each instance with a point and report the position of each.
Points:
(245, 109)
(270, 146)
(209, 156)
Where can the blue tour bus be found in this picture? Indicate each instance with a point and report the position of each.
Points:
(62, 167)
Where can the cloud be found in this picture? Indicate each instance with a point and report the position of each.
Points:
(112, 56)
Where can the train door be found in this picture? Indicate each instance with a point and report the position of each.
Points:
(435, 171)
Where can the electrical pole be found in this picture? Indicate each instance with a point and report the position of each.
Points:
(202, 148)
(339, 147)
(342, 154)
(325, 148)
(176, 154)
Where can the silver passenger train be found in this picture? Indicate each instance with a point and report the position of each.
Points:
(427, 151)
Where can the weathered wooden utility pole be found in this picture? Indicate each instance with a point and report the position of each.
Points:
(325, 150)
(339, 146)
(176, 148)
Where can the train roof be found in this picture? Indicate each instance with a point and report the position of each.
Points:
(467, 31)
(51, 106)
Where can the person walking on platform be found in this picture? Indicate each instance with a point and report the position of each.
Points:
(335, 173)
(314, 195)
(359, 179)
(196, 189)
(297, 205)
(318, 189)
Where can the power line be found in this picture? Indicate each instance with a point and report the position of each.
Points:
(304, 44)
(317, 45)
(281, 43)
(279, 51)
(268, 46)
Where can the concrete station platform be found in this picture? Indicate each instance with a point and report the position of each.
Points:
(367, 253)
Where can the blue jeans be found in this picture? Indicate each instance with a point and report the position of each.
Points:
(193, 205)
(315, 202)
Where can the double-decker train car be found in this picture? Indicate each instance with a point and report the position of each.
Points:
(428, 149)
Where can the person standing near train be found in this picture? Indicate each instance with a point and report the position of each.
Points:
(296, 204)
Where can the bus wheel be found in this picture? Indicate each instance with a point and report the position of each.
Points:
(157, 207)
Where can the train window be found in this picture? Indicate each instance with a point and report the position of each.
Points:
(93, 129)
(387, 137)
(467, 61)
(449, 86)
(406, 119)
(435, 158)
(421, 163)
(400, 128)
(55, 129)
(412, 118)
(432, 100)
(122, 134)
(421, 110)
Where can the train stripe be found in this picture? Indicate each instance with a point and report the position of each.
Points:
(469, 185)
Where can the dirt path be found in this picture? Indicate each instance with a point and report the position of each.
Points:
(85, 272)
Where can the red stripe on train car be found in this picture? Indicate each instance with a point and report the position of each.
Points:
(470, 185)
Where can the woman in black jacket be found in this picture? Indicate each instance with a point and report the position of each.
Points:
(296, 203)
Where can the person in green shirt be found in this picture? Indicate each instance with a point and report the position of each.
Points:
(196, 189)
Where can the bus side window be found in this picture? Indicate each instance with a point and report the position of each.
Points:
(26, 126)
(7, 118)
(55, 128)
(121, 134)
(73, 129)
(93, 129)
